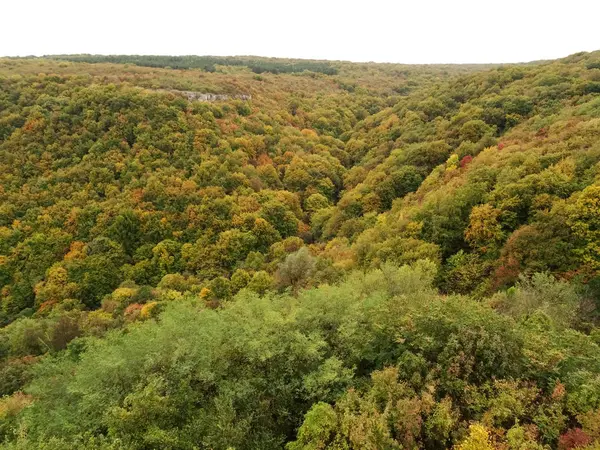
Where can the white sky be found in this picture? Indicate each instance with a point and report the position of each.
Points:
(407, 31)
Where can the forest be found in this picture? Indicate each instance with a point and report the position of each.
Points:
(329, 255)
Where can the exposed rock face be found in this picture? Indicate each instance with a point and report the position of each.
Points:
(207, 97)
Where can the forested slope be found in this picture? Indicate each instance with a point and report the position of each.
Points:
(358, 256)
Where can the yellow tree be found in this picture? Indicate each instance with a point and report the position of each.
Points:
(584, 221)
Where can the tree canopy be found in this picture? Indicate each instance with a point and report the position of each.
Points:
(242, 252)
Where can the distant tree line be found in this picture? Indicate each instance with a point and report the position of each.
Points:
(208, 63)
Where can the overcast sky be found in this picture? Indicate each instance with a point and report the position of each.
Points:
(407, 31)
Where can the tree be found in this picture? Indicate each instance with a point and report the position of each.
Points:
(295, 271)
(484, 231)
(284, 220)
(315, 202)
(239, 280)
(474, 130)
(126, 230)
(584, 220)
(478, 439)
(261, 282)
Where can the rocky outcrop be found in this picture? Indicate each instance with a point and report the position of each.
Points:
(208, 97)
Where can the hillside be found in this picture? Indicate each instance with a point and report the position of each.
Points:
(242, 252)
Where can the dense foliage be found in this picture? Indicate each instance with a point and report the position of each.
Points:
(331, 255)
